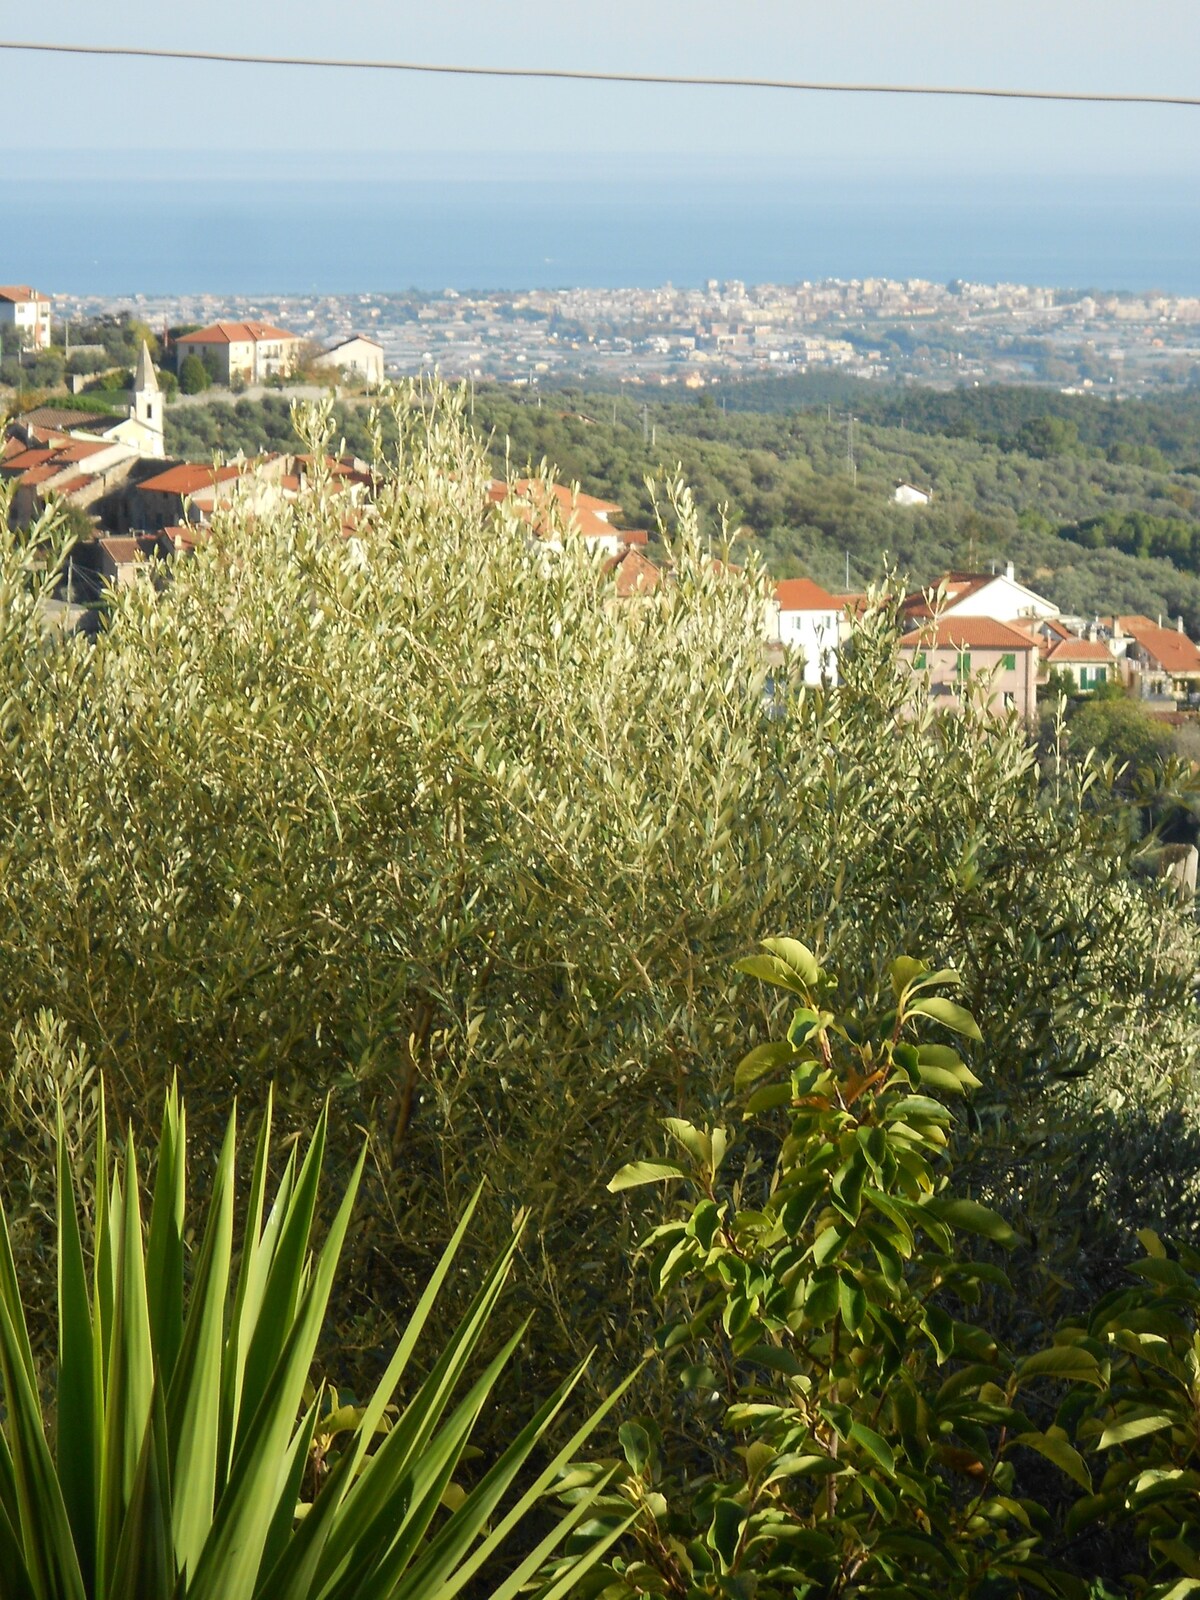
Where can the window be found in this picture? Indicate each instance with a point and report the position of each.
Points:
(1008, 663)
(964, 663)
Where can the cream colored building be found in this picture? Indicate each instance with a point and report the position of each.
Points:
(356, 356)
(250, 352)
(26, 313)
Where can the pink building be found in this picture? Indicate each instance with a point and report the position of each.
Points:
(959, 654)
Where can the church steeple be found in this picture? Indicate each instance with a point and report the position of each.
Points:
(147, 405)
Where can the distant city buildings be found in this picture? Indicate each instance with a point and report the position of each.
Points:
(957, 333)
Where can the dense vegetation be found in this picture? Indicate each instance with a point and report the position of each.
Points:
(423, 822)
(1094, 502)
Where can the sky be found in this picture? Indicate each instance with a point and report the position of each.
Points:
(71, 115)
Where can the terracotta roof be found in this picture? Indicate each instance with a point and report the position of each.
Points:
(802, 594)
(1078, 650)
(188, 478)
(958, 586)
(635, 574)
(577, 512)
(39, 474)
(235, 333)
(80, 449)
(534, 489)
(856, 604)
(19, 293)
(79, 481)
(967, 633)
(1173, 650)
(24, 459)
(121, 548)
(61, 418)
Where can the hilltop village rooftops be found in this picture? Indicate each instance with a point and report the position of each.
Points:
(553, 508)
(1077, 650)
(1170, 647)
(188, 478)
(967, 633)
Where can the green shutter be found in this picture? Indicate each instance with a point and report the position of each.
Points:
(919, 661)
(1008, 663)
(964, 663)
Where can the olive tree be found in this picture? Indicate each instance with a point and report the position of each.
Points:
(425, 819)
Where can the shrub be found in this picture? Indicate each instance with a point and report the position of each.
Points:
(847, 1430)
(848, 1422)
(193, 375)
(188, 1456)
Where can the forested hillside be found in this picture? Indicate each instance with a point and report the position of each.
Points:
(1097, 503)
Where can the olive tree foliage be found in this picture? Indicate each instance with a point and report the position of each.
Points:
(427, 820)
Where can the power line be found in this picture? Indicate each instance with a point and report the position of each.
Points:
(573, 76)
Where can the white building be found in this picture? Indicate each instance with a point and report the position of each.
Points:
(979, 594)
(907, 494)
(358, 356)
(25, 312)
(804, 618)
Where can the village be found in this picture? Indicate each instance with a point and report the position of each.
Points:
(966, 634)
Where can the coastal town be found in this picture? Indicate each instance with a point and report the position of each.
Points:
(918, 330)
(965, 633)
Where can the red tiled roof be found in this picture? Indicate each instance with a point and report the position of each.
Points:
(122, 548)
(958, 585)
(1173, 650)
(24, 459)
(235, 333)
(802, 594)
(534, 489)
(19, 293)
(79, 481)
(635, 574)
(39, 474)
(188, 478)
(580, 512)
(80, 449)
(967, 633)
(1078, 650)
(60, 419)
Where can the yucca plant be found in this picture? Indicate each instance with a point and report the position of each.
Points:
(176, 1462)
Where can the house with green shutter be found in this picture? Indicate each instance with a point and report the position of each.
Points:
(957, 659)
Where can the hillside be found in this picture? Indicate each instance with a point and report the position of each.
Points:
(1098, 503)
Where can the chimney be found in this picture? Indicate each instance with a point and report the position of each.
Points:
(1010, 572)
(1160, 619)
(1179, 623)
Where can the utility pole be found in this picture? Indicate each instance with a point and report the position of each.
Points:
(614, 412)
(847, 572)
(850, 463)
(645, 423)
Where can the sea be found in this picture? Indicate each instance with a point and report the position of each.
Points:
(117, 233)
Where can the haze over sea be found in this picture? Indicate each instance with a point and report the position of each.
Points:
(251, 231)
